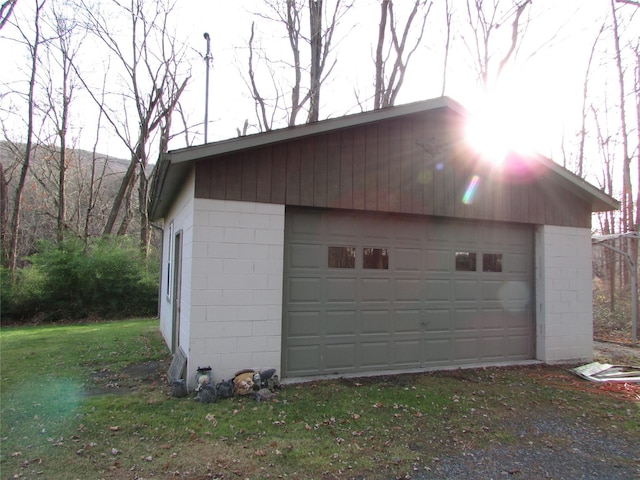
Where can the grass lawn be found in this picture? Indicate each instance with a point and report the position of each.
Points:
(55, 425)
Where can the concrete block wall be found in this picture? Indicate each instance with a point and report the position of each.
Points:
(236, 289)
(564, 307)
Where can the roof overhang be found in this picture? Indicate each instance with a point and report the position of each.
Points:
(599, 201)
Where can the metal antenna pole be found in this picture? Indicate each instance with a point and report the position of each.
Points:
(207, 59)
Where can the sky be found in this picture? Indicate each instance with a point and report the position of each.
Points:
(538, 97)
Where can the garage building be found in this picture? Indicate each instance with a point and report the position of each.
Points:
(376, 242)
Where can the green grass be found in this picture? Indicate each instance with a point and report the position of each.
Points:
(373, 427)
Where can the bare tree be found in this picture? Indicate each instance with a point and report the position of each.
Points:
(636, 88)
(392, 58)
(96, 176)
(265, 121)
(627, 192)
(61, 52)
(152, 61)
(320, 40)
(6, 9)
(606, 150)
(447, 46)
(34, 46)
(484, 22)
(585, 97)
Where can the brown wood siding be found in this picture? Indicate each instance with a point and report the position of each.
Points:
(410, 165)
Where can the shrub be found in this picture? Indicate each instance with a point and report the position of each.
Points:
(108, 278)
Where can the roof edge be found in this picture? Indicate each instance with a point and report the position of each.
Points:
(600, 201)
(274, 136)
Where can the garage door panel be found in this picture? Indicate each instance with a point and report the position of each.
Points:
(303, 359)
(406, 259)
(375, 354)
(407, 230)
(304, 226)
(340, 323)
(517, 263)
(518, 345)
(464, 233)
(465, 290)
(437, 290)
(306, 256)
(407, 353)
(340, 289)
(492, 347)
(369, 227)
(491, 319)
(417, 312)
(408, 321)
(374, 321)
(408, 290)
(340, 357)
(437, 351)
(304, 290)
(438, 320)
(436, 261)
(494, 237)
(375, 290)
(342, 226)
(515, 291)
(514, 319)
(304, 324)
(465, 320)
(465, 349)
(517, 236)
(490, 289)
(439, 232)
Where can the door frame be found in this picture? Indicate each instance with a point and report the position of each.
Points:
(177, 291)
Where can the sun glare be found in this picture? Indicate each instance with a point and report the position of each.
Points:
(498, 126)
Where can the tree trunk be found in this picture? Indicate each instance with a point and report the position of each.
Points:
(3, 214)
(315, 17)
(143, 203)
(293, 29)
(379, 76)
(447, 47)
(63, 168)
(583, 131)
(128, 210)
(627, 188)
(125, 186)
(15, 219)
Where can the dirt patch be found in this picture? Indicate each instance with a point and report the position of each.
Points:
(128, 380)
(616, 353)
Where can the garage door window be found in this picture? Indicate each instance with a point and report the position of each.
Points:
(465, 261)
(491, 262)
(342, 257)
(375, 258)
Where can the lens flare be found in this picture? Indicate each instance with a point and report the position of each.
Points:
(467, 198)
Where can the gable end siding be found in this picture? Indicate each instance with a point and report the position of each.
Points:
(403, 165)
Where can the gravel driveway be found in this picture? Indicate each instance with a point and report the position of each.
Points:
(549, 446)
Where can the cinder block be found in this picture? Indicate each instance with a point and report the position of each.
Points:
(240, 235)
(254, 220)
(264, 328)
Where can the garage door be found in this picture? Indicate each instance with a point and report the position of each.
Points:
(377, 292)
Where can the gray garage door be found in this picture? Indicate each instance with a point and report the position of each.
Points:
(376, 292)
